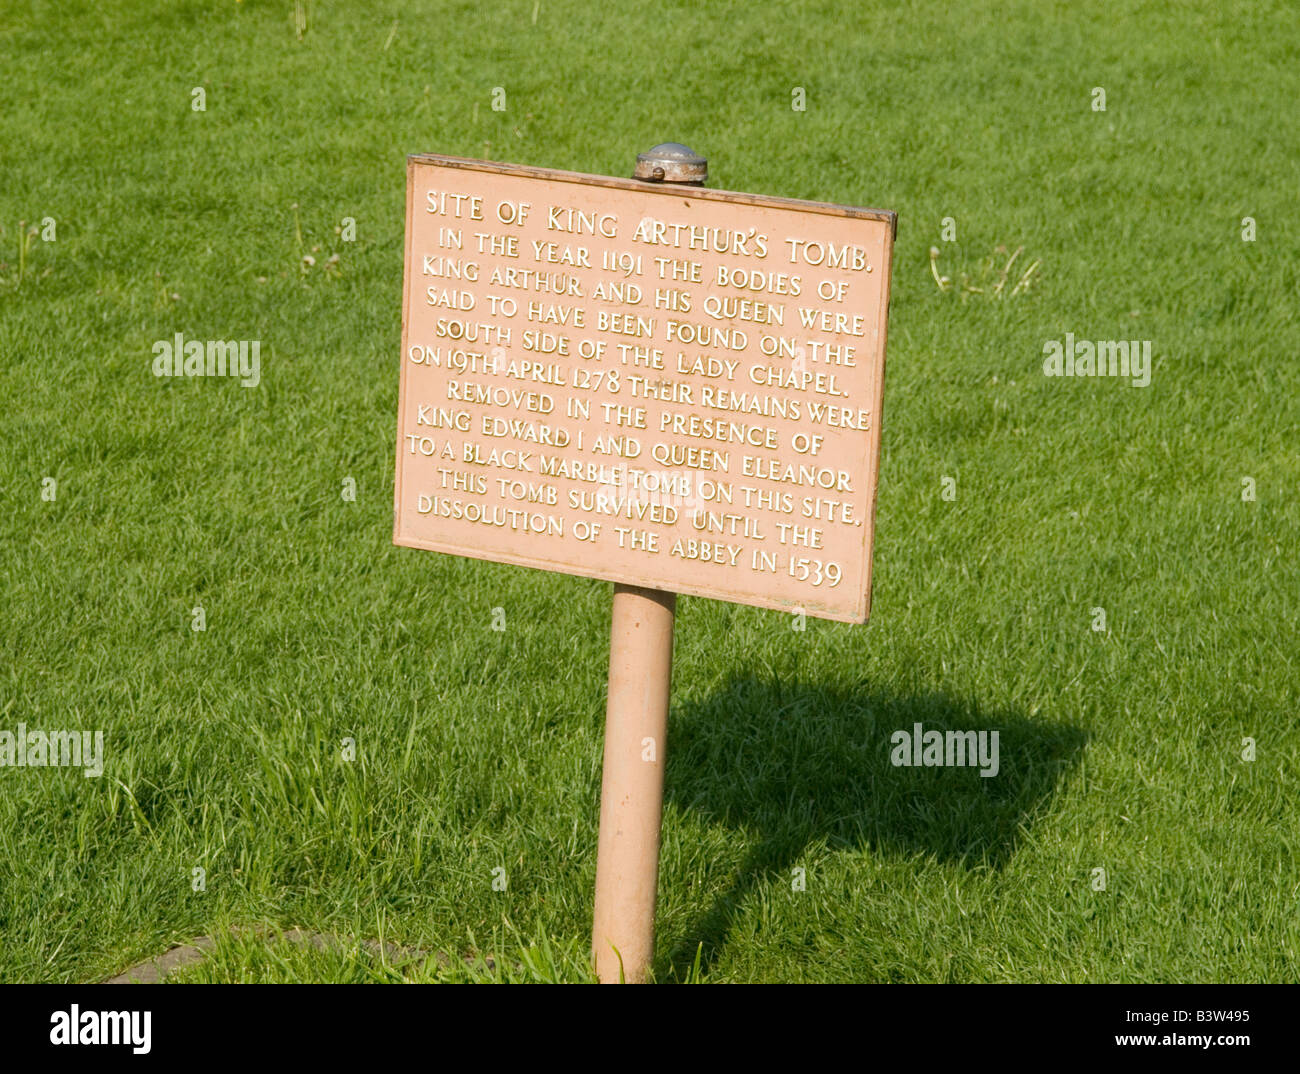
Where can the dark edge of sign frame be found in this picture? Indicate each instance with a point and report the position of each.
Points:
(876, 434)
(862, 609)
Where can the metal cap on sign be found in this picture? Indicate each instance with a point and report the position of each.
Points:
(672, 162)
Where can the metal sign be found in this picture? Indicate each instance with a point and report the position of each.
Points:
(659, 385)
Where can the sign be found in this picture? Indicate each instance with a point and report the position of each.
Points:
(654, 384)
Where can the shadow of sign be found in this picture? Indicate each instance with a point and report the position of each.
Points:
(793, 764)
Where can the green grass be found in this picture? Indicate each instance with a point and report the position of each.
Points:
(480, 750)
(244, 957)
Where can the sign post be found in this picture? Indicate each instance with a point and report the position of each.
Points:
(674, 389)
(632, 786)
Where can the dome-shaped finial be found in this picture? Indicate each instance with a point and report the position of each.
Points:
(672, 162)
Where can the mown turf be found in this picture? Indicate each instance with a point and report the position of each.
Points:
(478, 751)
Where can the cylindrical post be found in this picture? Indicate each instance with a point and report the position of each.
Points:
(636, 727)
(631, 792)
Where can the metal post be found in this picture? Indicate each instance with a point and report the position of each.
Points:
(632, 787)
(636, 727)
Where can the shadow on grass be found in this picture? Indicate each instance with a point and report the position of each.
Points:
(791, 764)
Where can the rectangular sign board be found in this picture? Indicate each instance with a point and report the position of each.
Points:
(666, 386)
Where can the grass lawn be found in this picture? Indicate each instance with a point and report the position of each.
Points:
(478, 751)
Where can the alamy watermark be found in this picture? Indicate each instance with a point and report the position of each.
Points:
(1104, 358)
(920, 748)
(53, 749)
(115, 1028)
(179, 357)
